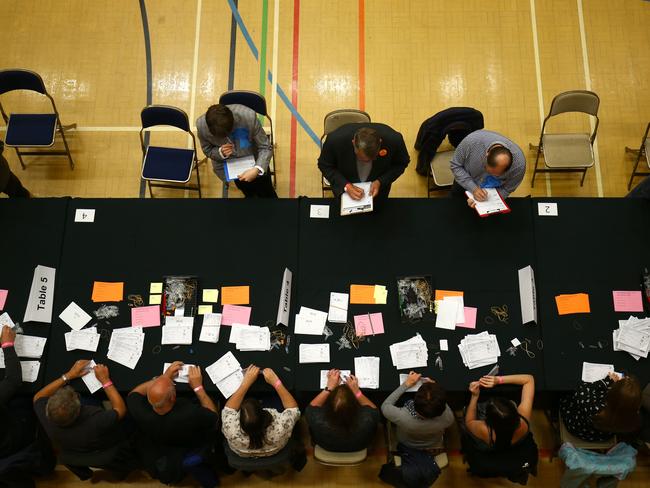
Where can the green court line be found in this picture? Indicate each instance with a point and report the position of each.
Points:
(265, 29)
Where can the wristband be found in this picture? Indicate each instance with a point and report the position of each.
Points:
(107, 384)
(198, 388)
(358, 394)
(499, 380)
(7, 344)
(277, 383)
(65, 379)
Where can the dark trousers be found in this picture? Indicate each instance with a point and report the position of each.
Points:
(457, 191)
(260, 187)
(642, 190)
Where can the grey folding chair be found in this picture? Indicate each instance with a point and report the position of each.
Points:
(643, 151)
(334, 120)
(568, 152)
(441, 175)
(565, 436)
(390, 435)
(332, 458)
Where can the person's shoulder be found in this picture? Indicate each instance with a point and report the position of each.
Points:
(242, 112)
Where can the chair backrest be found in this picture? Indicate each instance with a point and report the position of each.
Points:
(575, 101)
(153, 115)
(250, 99)
(339, 118)
(21, 79)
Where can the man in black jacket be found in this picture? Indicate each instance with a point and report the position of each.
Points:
(363, 152)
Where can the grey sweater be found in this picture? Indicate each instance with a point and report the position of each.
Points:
(416, 432)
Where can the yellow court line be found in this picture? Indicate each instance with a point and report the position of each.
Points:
(195, 65)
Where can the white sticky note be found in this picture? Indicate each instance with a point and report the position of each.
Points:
(319, 211)
(547, 209)
(444, 345)
(84, 215)
(515, 342)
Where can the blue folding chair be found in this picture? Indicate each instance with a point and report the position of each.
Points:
(32, 130)
(168, 167)
(256, 102)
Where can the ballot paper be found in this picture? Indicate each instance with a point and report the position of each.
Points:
(253, 338)
(210, 328)
(29, 346)
(450, 311)
(235, 332)
(89, 379)
(314, 353)
(2, 359)
(491, 205)
(30, 370)
(479, 350)
(310, 322)
(338, 312)
(223, 367)
(231, 383)
(125, 346)
(236, 166)
(366, 369)
(633, 337)
(414, 388)
(177, 334)
(594, 371)
(183, 375)
(5, 319)
(365, 204)
(345, 374)
(74, 316)
(409, 354)
(84, 339)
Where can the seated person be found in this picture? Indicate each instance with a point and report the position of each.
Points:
(363, 152)
(421, 422)
(86, 435)
(642, 190)
(253, 431)
(234, 131)
(341, 418)
(596, 411)
(171, 430)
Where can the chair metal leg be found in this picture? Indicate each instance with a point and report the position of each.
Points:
(532, 184)
(636, 165)
(150, 192)
(198, 180)
(584, 173)
(20, 158)
(65, 143)
(429, 184)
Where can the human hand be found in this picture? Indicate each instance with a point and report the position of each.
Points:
(333, 378)
(475, 388)
(355, 192)
(101, 373)
(173, 369)
(614, 377)
(8, 334)
(374, 188)
(227, 150)
(251, 374)
(194, 376)
(471, 203)
(488, 381)
(249, 175)
(412, 379)
(480, 195)
(353, 383)
(270, 377)
(78, 369)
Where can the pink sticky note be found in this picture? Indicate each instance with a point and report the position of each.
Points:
(470, 318)
(3, 298)
(369, 324)
(628, 301)
(235, 314)
(145, 316)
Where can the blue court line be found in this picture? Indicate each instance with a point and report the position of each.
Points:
(233, 47)
(147, 51)
(303, 123)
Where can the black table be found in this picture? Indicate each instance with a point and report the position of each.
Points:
(222, 242)
(438, 237)
(593, 246)
(32, 234)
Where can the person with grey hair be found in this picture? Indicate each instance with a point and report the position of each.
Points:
(86, 435)
(356, 153)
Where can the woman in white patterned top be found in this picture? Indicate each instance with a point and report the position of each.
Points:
(253, 431)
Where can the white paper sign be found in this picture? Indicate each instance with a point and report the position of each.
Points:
(527, 295)
(547, 209)
(319, 211)
(41, 296)
(285, 299)
(84, 215)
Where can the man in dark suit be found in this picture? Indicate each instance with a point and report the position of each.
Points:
(363, 152)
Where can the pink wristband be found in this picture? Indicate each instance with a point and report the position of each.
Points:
(277, 383)
(499, 380)
(7, 344)
(358, 394)
(107, 384)
(198, 388)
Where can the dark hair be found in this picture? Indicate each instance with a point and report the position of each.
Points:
(367, 141)
(220, 120)
(430, 400)
(622, 404)
(254, 421)
(494, 152)
(341, 408)
(501, 416)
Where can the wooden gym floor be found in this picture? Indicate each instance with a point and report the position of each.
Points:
(402, 61)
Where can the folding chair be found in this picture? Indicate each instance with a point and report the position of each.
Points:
(390, 433)
(571, 152)
(644, 151)
(32, 130)
(441, 176)
(167, 167)
(337, 459)
(334, 120)
(256, 102)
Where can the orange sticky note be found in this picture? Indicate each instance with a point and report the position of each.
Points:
(575, 303)
(235, 295)
(108, 292)
(440, 294)
(362, 294)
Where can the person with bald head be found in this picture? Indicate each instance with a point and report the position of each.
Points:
(176, 436)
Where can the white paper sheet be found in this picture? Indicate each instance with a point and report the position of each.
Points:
(350, 206)
(338, 310)
(5, 319)
(84, 339)
(595, 371)
(210, 328)
(236, 166)
(310, 322)
(366, 369)
(183, 373)
(223, 367)
(414, 388)
(90, 379)
(30, 370)
(345, 373)
(447, 316)
(176, 334)
(314, 353)
(231, 383)
(29, 346)
(74, 316)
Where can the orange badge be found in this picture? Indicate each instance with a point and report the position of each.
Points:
(383, 152)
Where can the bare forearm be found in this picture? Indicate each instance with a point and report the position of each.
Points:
(285, 397)
(235, 400)
(142, 388)
(49, 390)
(320, 399)
(470, 414)
(206, 401)
(364, 401)
(517, 379)
(117, 402)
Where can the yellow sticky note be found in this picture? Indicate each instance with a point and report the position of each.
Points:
(211, 296)
(380, 294)
(362, 294)
(235, 295)
(154, 299)
(203, 309)
(155, 288)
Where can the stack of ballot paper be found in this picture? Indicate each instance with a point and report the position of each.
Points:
(479, 350)
(338, 312)
(183, 375)
(226, 374)
(89, 379)
(366, 369)
(310, 321)
(344, 375)
(29, 346)
(409, 354)
(30, 370)
(313, 353)
(633, 336)
(85, 339)
(250, 337)
(595, 371)
(449, 312)
(211, 327)
(125, 346)
(177, 330)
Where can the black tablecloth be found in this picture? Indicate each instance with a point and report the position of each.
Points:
(32, 234)
(222, 242)
(439, 237)
(593, 246)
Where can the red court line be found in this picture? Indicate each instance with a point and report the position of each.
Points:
(294, 98)
(362, 55)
